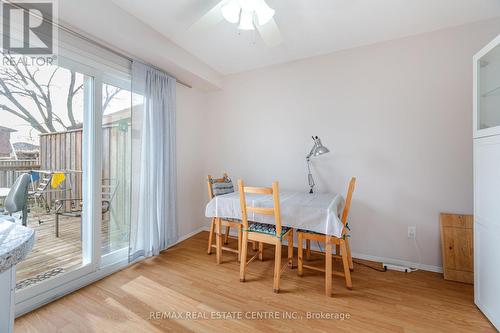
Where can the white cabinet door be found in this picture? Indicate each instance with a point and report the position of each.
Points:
(487, 227)
(487, 272)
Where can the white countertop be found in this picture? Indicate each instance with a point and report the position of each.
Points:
(16, 242)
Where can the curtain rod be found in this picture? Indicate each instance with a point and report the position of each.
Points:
(92, 41)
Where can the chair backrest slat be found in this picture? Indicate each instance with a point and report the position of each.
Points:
(259, 210)
(347, 207)
(224, 180)
(275, 210)
(258, 190)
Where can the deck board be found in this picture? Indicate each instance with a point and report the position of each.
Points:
(51, 252)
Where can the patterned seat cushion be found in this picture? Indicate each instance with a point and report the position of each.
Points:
(269, 229)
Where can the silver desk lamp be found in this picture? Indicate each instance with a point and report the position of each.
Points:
(317, 149)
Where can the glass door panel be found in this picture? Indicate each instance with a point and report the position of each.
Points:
(489, 89)
(116, 171)
(42, 130)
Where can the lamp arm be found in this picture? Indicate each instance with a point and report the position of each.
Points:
(310, 178)
(311, 153)
(316, 150)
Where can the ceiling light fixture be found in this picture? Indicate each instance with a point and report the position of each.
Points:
(247, 12)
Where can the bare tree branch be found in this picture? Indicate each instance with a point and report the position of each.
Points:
(109, 95)
(22, 88)
(30, 120)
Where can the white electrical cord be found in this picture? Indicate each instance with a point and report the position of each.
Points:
(412, 269)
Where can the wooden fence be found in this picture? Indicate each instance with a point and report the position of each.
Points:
(116, 166)
(62, 151)
(9, 170)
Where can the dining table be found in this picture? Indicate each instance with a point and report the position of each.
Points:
(314, 212)
(309, 212)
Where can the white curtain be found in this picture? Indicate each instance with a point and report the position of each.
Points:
(153, 225)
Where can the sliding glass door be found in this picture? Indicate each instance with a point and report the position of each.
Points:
(116, 170)
(67, 123)
(70, 129)
(48, 110)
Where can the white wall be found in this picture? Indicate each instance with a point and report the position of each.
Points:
(397, 115)
(191, 189)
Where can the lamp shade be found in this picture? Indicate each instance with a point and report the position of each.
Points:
(319, 149)
(316, 150)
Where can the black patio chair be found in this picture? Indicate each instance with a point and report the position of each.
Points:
(74, 207)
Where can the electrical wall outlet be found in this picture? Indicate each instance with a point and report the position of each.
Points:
(412, 232)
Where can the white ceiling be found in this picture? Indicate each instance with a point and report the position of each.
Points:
(309, 27)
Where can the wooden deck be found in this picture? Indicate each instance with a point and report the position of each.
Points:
(50, 253)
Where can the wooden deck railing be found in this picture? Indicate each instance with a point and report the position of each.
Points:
(9, 170)
(63, 151)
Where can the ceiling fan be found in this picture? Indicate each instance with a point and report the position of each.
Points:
(248, 14)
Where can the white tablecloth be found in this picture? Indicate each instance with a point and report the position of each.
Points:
(317, 212)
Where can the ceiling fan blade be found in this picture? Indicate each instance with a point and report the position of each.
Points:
(270, 33)
(211, 18)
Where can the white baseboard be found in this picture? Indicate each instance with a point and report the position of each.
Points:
(191, 234)
(424, 267)
(411, 264)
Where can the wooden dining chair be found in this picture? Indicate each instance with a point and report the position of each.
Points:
(343, 250)
(264, 233)
(220, 186)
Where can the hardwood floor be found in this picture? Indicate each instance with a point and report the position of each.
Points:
(186, 281)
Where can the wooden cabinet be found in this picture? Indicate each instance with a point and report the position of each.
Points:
(457, 247)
